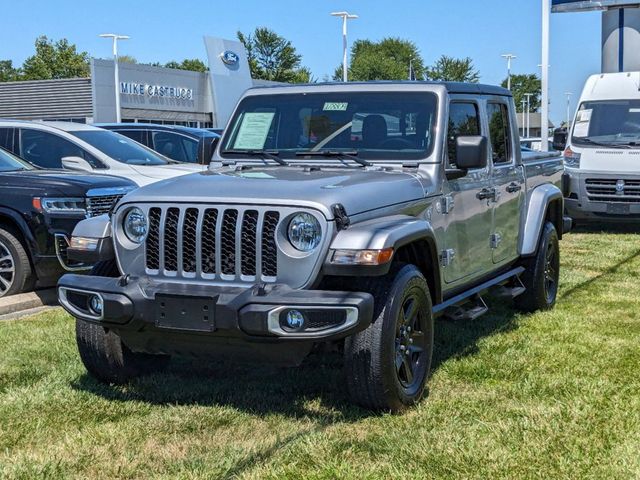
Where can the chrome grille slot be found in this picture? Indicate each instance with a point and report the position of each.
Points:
(153, 239)
(221, 243)
(171, 240)
(269, 250)
(101, 204)
(613, 190)
(228, 242)
(249, 242)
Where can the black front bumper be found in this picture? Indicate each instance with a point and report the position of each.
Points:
(182, 318)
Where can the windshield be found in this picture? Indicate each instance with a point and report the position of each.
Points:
(11, 163)
(609, 122)
(375, 125)
(120, 148)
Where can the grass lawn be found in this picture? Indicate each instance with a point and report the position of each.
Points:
(551, 395)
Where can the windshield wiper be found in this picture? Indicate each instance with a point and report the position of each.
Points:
(351, 155)
(601, 144)
(264, 154)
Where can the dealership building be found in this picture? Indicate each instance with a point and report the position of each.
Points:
(147, 94)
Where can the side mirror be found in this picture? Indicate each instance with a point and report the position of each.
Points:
(471, 152)
(76, 163)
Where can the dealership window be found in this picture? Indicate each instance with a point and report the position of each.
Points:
(464, 120)
(499, 133)
(47, 150)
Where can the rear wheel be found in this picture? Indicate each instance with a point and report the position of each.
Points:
(542, 274)
(387, 365)
(16, 275)
(102, 352)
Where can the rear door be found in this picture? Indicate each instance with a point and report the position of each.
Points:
(507, 182)
(469, 220)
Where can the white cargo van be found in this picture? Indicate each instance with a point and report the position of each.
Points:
(602, 158)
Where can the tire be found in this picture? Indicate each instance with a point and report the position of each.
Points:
(102, 352)
(541, 274)
(108, 359)
(16, 275)
(380, 375)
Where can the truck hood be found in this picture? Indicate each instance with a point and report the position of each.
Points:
(358, 190)
(60, 182)
(609, 160)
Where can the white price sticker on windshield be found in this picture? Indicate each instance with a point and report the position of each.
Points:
(583, 120)
(253, 132)
(335, 106)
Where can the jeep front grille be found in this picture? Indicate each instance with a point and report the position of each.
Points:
(613, 190)
(228, 243)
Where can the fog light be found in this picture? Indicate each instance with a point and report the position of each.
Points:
(96, 305)
(295, 320)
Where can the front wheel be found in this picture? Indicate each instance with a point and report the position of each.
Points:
(541, 275)
(387, 365)
(16, 275)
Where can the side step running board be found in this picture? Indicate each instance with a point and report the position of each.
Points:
(464, 296)
(467, 312)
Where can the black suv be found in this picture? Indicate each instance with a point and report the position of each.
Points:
(183, 144)
(38, 211)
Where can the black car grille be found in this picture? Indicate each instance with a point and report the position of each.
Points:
(228, 243)
(613, 190)
(101, 204)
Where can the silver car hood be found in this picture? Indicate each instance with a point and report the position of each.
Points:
(358, 190)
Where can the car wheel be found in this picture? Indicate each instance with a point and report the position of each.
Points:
(103, 353)
(16, 275)
(541, 275)
(387, 364)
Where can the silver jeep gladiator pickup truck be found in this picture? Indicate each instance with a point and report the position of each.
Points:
(349, 213)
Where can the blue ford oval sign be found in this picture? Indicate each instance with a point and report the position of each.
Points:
(230, 58)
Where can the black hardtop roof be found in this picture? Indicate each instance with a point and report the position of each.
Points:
(452, 87)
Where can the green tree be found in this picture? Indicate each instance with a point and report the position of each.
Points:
(522, 84)
(127, 59)
(272, 57)
(451, 69)
(58, 59)
(388, 59)
(193, 64)
(7, 71)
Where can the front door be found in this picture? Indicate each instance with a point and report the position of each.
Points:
(508, 183)
(468, 223)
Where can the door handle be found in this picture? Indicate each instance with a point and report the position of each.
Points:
(486, 193)
(514, 187)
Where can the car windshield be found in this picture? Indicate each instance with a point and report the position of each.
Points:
(610, 122)
(11, 163)
(120, 148)
(375, 125)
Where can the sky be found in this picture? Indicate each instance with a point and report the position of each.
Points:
(163, 30)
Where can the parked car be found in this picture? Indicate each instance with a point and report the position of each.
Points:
(38, 211)
(183, 144)
(302, 233)
(601, 159)
(535, 144)
(76, 146)
(217, 131)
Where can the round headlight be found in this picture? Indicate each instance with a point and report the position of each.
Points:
(304, 232)
(135, 225)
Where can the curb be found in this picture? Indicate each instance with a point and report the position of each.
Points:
(28, 301)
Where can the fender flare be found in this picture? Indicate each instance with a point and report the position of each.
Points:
(24, 229)
(537, 207)
(389, 232)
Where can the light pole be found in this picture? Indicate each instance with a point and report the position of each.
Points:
(544, 118)
(528, 95)
(345, 16)
(568, 94)
(116, 74)
(524, 125)
(509, 57)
